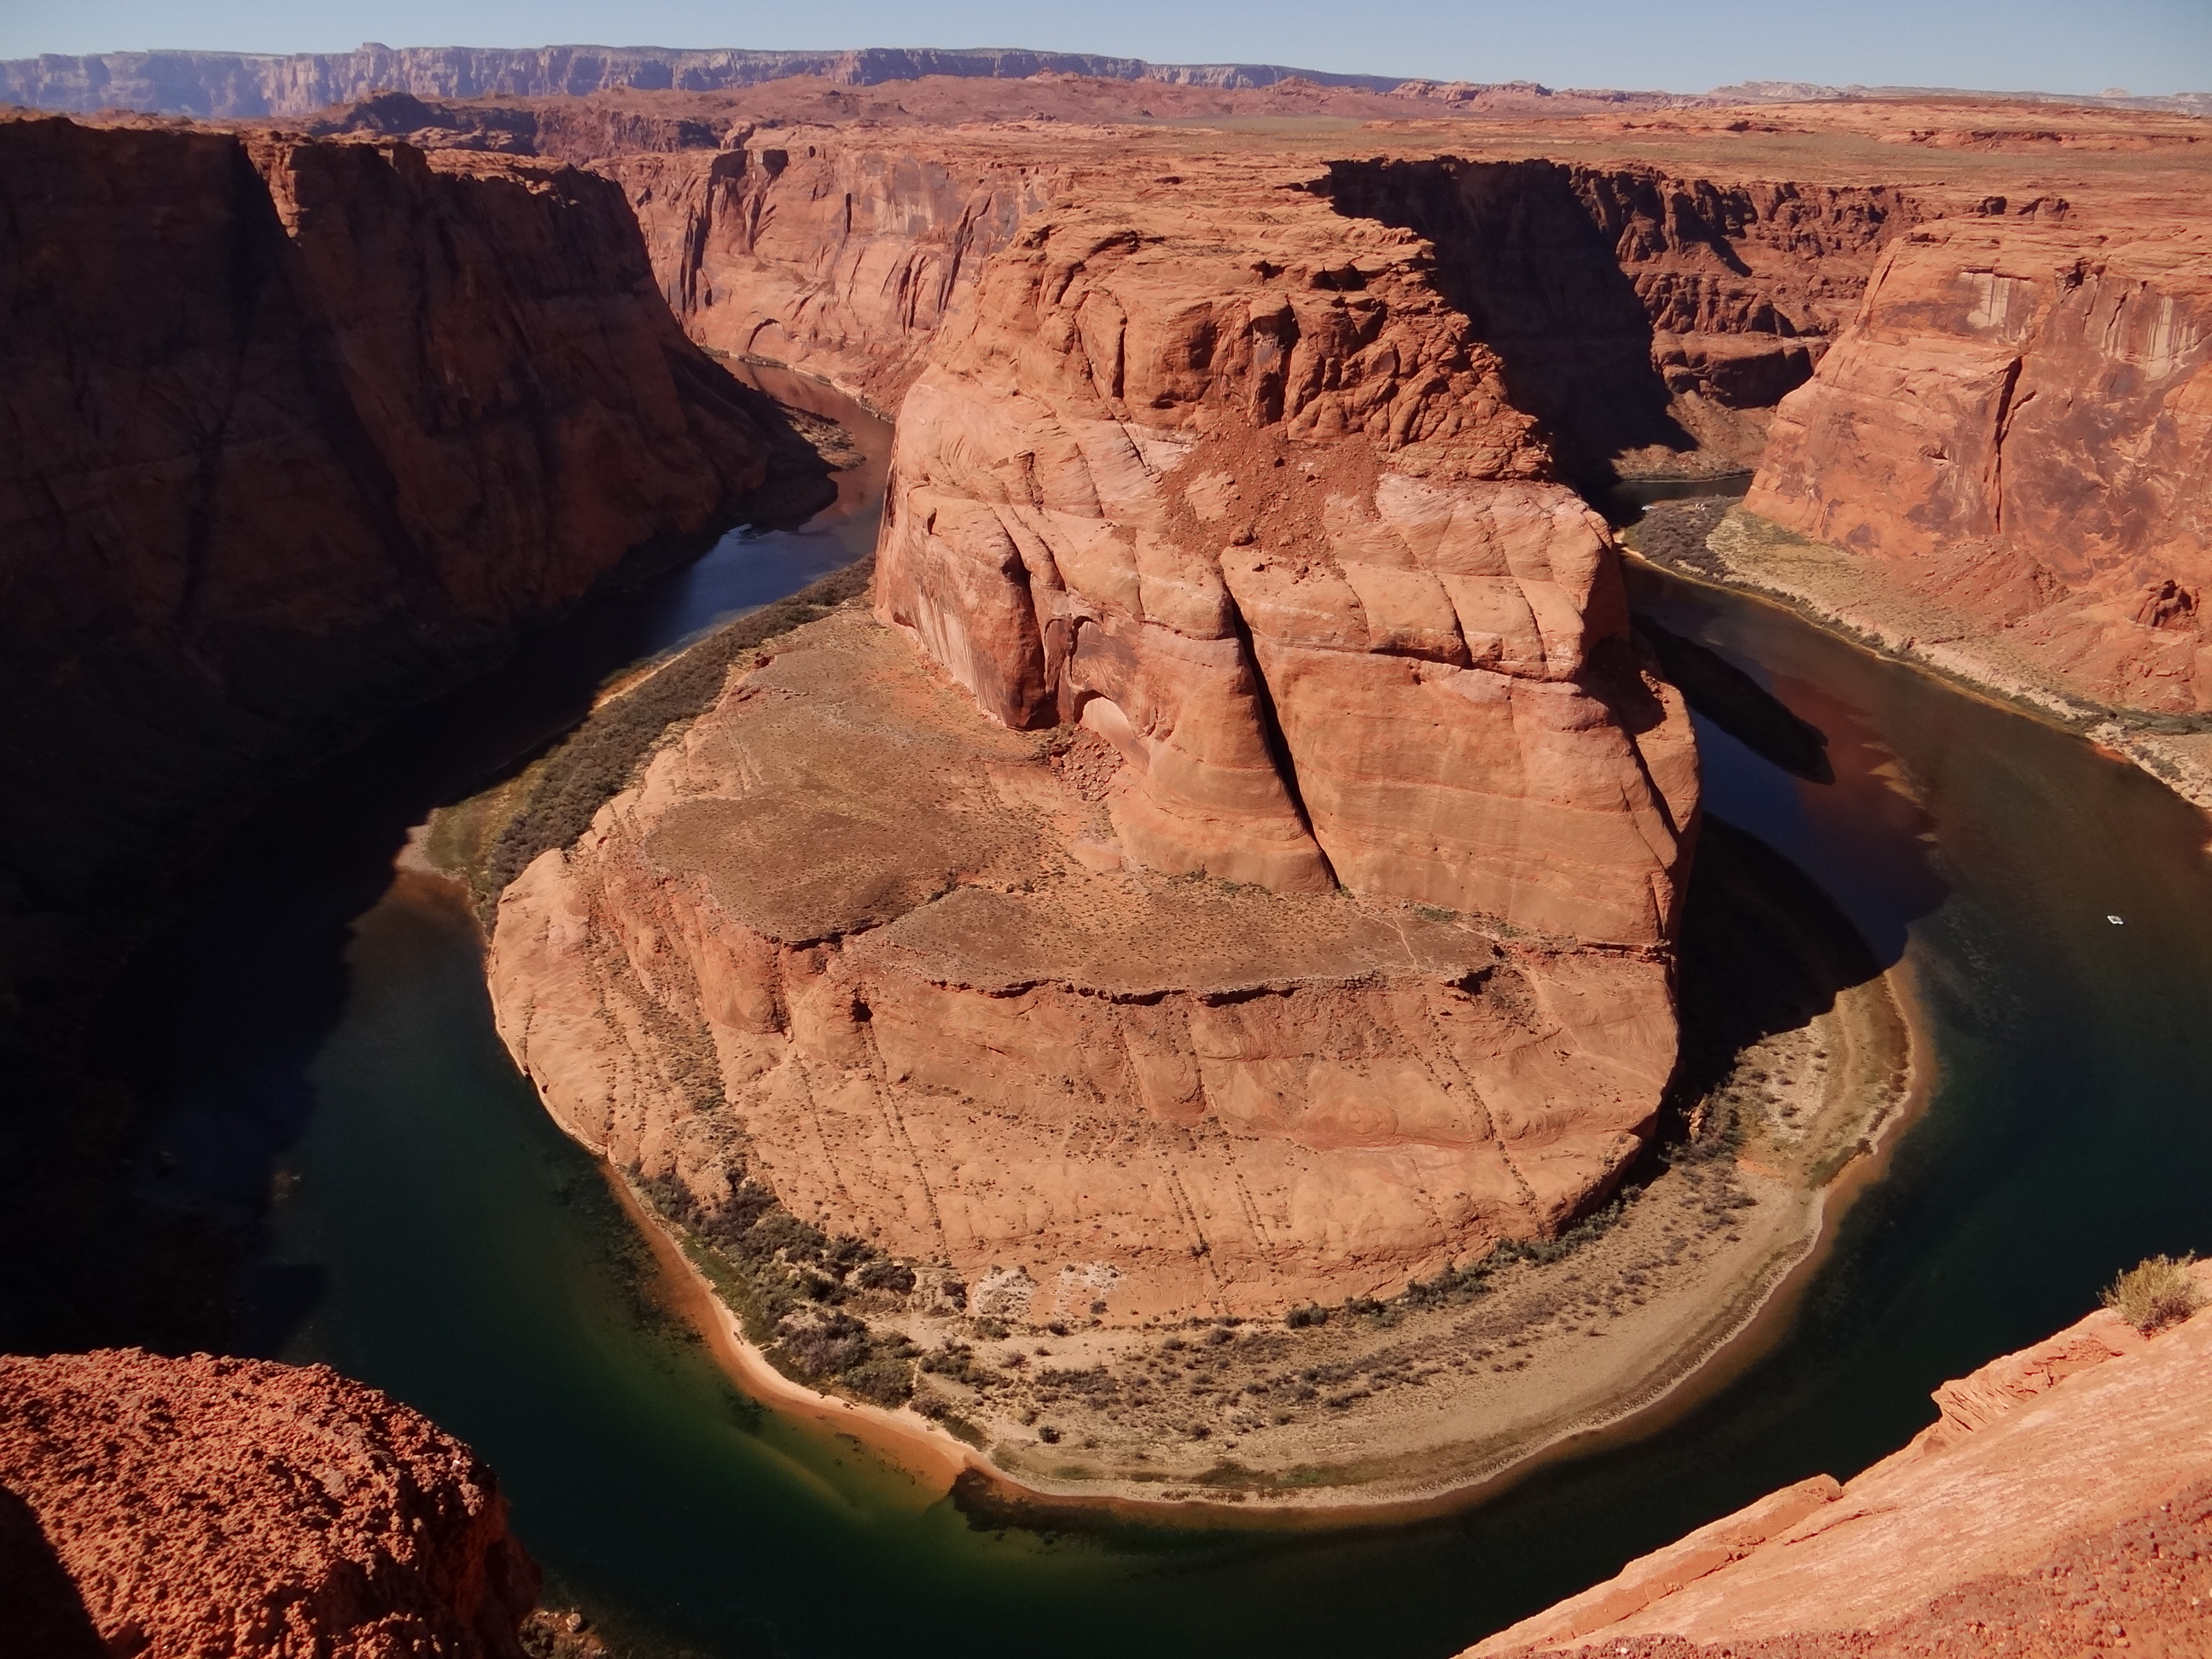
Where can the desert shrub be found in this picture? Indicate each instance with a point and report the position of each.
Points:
(1299, 1319)
(2157, 1292)
(826, 1346)
(883, 1275)
(884, 1378)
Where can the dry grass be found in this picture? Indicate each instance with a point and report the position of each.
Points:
(2157, 1292)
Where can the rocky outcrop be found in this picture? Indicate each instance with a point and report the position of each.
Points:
(295, 428)
(246, 1508)
(1982, 1531)
(853, 943)
(2017, 426)
(1265, 519)
(1321, 941)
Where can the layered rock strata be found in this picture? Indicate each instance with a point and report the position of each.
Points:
(293, 428)
(2018, 427)
(1255, 532)
(1646, 315)
(2039, 1464)
(1267, 521)
(853, 940)
(246, 1508)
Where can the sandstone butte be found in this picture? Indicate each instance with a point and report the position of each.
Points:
(1245, 461)
(177, 1506)
(1218, 479)
(2060, 1504)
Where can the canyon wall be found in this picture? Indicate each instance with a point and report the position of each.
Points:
(2018, 425)
(293, 428)
(2061, 1503)
(1644, 314)
(1319, 938)
(291, 433)
(837, 256)
(160, 1506)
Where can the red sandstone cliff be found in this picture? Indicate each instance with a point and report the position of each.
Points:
(240, 1507)
(291, 433)
(1216, 483)
(2061, 1504)
(2018, 425)
(292, 429)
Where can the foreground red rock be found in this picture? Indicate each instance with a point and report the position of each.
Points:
(2088, 1455)
(245, 1508)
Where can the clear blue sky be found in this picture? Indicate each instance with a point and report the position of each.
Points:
(2061, 45)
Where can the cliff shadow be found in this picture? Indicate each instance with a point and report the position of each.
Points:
(1519, 254)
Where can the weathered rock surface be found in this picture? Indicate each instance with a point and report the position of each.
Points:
(246, 1508)
(891, 955)
(2017, 426)
(1263, 517)
(1644, 314)
(2084, 1459)
(292, 428)
(1252, 526)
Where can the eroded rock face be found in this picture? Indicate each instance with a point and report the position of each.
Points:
(1264, 518)
(817, 249)
(1643, 313)
(1275, 905)
(246, 1508)
(2018, 425)
(2084, 1458)
(890, 958)
(293, 428)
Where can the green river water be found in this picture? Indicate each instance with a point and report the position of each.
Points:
(320, 1034)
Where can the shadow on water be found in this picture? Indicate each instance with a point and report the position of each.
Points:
(220, 1015)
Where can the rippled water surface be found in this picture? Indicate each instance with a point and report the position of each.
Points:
(327, 1033)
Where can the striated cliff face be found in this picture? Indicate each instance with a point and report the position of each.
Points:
(2018, 425)
(2061, 1501)
(837, 256)
(1265, 519)
(165, 1507)
(293, 428)
(1216, 493)
(1642, 314)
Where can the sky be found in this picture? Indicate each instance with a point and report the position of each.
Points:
(2145, 46)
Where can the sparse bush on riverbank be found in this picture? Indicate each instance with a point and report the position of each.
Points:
(2157, 1292)
(787, 1280)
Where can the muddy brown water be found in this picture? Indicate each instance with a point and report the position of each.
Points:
(319, 1035)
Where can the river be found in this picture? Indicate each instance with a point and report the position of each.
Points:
(317, 1034)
